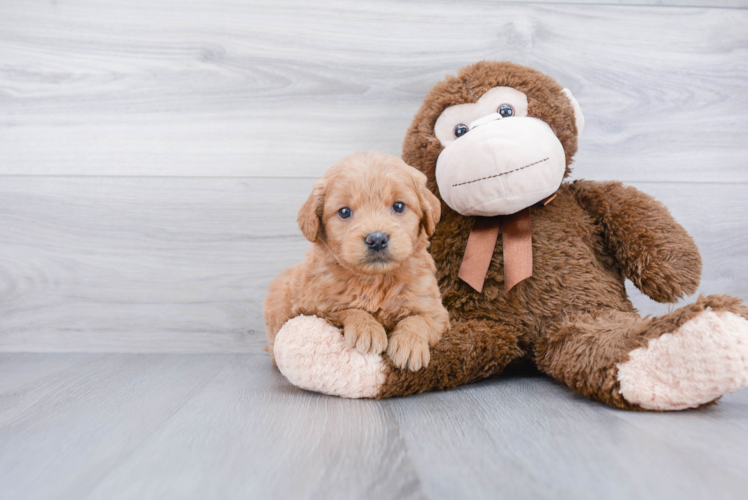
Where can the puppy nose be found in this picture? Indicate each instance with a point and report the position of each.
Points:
(376, 241)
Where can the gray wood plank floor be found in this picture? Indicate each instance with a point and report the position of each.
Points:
(229, 426)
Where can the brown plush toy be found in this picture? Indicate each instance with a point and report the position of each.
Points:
(532, 268)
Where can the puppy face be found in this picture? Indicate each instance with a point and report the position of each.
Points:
(371, 211)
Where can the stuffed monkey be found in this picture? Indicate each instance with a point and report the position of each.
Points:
(532, 268)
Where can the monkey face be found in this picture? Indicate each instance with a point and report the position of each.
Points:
(494, 139)
(496, 159)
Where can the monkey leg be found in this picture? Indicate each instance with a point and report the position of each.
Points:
(471, 350)
(684, 359)
(312, 354)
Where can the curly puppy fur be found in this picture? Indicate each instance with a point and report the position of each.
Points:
(572, 318)
(383, 300)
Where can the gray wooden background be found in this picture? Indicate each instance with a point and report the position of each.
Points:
(153, 154)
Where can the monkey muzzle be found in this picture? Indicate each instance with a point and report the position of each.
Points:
(501, 166)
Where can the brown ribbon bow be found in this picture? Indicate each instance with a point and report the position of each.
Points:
(517, 243)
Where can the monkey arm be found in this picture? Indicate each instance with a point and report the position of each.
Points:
(654, 251)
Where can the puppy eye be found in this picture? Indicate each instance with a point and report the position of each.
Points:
(505, 110)
(461, 130)
(399, 207)
(344, 213)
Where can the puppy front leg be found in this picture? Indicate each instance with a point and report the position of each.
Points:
(361, 330)
(409, 342)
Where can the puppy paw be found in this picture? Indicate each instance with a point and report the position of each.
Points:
(408, 350)
(366, 336)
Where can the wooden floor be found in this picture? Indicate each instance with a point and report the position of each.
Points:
(155, 426)
(153, 156)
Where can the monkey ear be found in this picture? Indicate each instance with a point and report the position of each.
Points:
(310, 213)
(578, 116)
(431, 208)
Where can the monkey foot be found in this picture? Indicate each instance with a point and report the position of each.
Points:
(703, 359)
(313, 355)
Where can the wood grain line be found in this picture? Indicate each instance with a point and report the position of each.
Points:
(290, 87)
(182, 265)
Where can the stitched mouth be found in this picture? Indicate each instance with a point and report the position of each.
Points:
(499, 175)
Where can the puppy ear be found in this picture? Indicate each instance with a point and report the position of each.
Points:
(310, 213)
(431, 208)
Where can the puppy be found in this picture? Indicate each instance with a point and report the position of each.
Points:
(368, 271)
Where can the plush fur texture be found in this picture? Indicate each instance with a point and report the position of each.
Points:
(312, 354)
(371, 294)
(545, 98)
(706, 357)
(572, 318)
(586, 349)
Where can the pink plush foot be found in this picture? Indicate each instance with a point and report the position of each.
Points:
(705, 358)
(313, 355)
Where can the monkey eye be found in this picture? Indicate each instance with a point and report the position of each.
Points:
(344, 213)
(398, 207)
(505, 110)
(461, 130)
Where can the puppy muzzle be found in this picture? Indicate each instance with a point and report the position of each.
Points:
(501, 166)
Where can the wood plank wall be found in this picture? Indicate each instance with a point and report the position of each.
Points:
(153, 154)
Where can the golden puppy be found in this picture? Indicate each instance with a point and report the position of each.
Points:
(368, 271)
